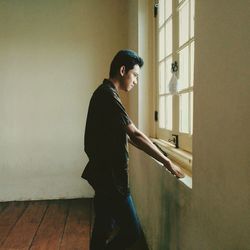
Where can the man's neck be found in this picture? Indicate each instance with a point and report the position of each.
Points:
(115, 82)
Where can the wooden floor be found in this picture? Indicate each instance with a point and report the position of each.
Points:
(48, 225)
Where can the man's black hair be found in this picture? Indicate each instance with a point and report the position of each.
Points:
(127, 58)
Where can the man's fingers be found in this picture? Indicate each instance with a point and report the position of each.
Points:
(180, 174)
(175, 170)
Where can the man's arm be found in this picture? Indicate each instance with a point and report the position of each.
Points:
(141, 141)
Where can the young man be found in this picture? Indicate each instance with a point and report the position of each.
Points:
(108, 129)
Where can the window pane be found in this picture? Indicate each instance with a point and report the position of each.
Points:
(184, 113)
(161, 44)
(191, 111)
(161, 12)
(162, 77)
(192, 19)
(168, 37)
(192, 64)
(162, 112)
(168, 73)
(169, 112)
(184, 23)
(168, 8)
(183, 81)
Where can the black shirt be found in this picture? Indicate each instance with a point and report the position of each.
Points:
(106, 142)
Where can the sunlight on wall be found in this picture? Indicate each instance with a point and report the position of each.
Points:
(53, 54)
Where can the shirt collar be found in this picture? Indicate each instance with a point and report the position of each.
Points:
(107, 81)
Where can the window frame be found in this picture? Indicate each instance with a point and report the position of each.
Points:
(185, 139)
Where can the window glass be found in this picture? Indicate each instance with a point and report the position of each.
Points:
(169, 38)
(168, 73)
(183, 81)
(169, 112)
(192, 64)
(184, 113)
(162, 77)
(161, 44)
(192, 18)
(184, 23)
(162, 112)
(191, 112)
(168, 8)
(161, 12)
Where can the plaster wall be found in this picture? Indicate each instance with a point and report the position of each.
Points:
(214, 214)
(53, 54)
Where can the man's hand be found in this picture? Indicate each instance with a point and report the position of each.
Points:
(174, 169)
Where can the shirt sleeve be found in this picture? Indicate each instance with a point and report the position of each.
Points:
(120, 114)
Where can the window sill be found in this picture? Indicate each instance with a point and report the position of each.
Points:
(179, 157)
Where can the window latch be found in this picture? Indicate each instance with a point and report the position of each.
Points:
(156, 116)
(174, 140)
(156, 5)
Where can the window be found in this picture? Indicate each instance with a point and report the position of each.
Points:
(175, 43)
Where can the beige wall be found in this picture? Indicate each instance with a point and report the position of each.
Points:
(140, 102)
(52, 56)
(215, 213)
(133, 28)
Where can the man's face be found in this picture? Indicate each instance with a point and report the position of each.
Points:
(130, 79)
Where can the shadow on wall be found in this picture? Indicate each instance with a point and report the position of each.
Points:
(162, 202)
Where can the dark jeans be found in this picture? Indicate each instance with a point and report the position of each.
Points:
(113, 213)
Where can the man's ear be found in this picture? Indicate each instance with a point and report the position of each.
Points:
(122, 70)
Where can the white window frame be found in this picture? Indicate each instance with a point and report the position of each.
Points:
(185, 138)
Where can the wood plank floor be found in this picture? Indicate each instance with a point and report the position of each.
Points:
(48, 225)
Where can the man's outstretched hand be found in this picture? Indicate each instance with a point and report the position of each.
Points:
(174, 169)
